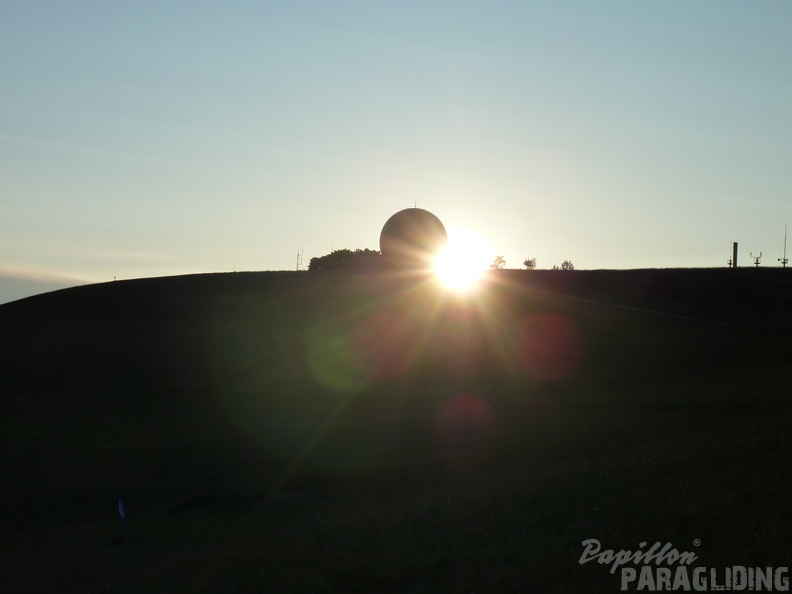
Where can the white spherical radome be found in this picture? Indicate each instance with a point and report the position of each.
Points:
(412, 238)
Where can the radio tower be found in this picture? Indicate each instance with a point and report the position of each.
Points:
(299, 257)
(756, 259)
(784, 259)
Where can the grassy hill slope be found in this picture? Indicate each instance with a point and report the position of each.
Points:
(301, 431)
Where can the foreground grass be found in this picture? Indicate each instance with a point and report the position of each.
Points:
(511, 526)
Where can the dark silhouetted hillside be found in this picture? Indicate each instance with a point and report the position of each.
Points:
(292, 431)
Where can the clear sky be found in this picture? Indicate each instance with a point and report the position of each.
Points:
(152, 138)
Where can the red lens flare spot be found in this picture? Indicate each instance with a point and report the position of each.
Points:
(549, 347)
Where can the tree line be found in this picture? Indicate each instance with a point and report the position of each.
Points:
(499, 263)
(366, 259)
(345, 259)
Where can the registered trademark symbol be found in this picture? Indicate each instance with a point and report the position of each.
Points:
(697, 543)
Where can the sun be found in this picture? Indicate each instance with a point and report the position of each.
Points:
(464, 260)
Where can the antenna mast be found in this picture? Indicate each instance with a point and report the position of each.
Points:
(756, 259)
(299, 257)
(784, 259)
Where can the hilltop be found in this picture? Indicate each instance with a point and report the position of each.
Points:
(254, 421)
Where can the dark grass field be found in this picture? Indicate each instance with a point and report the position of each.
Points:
(309, 432)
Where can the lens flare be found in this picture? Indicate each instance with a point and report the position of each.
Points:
(550, 347)
(464, 260)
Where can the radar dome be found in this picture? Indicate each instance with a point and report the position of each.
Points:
(412, 238)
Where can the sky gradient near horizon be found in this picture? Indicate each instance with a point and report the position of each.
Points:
(156, 138)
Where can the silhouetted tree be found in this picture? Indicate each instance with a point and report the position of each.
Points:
(345, 259)
(565, 265)
(530, 263)
(498, 263)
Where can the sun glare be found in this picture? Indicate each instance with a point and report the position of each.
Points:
(464, 260)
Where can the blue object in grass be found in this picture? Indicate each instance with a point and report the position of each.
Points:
(122, 512)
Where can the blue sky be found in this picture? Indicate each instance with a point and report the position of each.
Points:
(145, 139)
